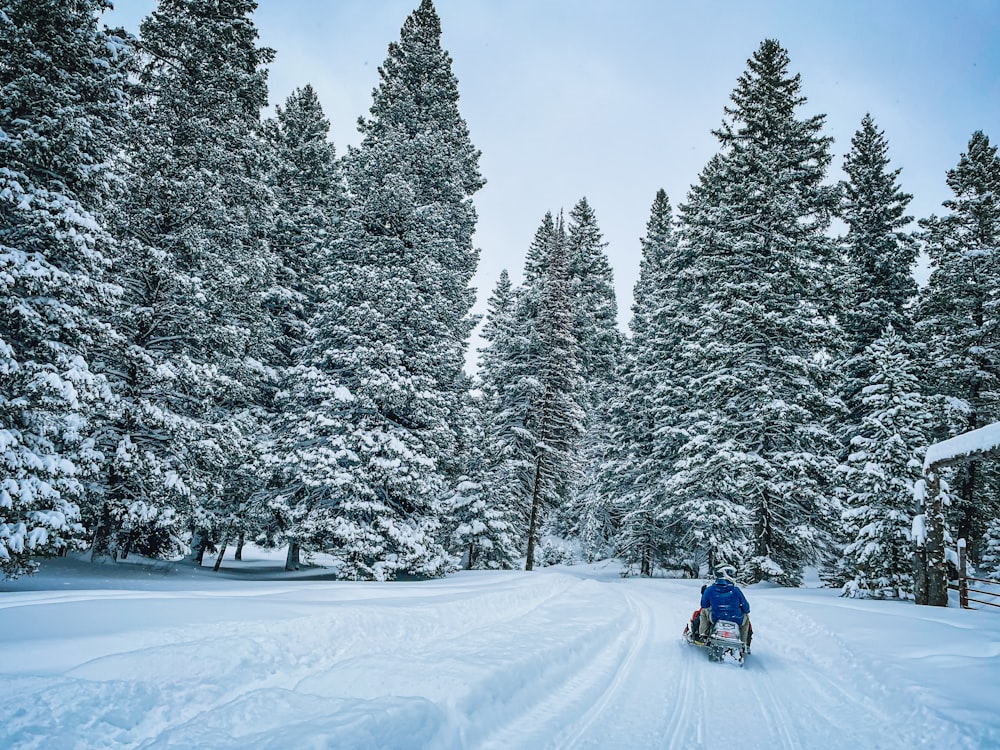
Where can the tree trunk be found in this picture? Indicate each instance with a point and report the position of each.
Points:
(930, 574)
(222, 551)
(536, 500)
(937, 569)
(292, 561)
(103, 543)
(763, 540)
(239, 546)
(920, 575)
(199, 543)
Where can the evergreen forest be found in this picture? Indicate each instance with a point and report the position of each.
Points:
(215, 329)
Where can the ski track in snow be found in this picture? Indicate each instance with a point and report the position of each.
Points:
(620, 683)
(560, 659)
(579, 698)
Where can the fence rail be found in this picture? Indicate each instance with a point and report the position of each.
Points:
(963, 588)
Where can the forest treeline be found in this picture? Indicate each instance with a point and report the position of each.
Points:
(215, 329)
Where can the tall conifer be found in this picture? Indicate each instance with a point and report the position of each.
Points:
(510, 363)
(387, 348)
(556, 417)
(197, 268)
(642, 439)
(959, 323)
(588, 514)
(309, 202)
(62, 96)
(884, 463)
(760, 406)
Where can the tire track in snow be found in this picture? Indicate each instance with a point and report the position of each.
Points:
(721, 705)
(775, 714)
(658, 701)
(678, 723)
(701, 693)
(639, 642)
(566, 696)
(279, 656)
(824, 673)
(789, 675)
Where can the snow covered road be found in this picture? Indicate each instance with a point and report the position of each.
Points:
(558, 658)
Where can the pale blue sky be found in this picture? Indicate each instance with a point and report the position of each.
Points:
(613, 99)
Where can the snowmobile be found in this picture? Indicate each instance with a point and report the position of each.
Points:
(722, 644)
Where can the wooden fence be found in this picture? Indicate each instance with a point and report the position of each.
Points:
(964, 589)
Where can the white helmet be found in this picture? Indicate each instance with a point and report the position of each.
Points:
(724, 570)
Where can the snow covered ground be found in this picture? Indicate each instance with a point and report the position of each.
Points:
(141, 657)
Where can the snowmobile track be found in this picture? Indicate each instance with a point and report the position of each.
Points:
(674, 733)
(620, 678)
(774, 712)
(569, 692)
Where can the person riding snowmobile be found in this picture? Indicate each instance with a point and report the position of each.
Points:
(692, 626)
(723, 600)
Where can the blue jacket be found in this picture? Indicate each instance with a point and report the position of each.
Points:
(726, 600)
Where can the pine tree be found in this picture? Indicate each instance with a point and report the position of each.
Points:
(364, 459)
(588, 515)
(532, 383)
(503, 453)
(959, 323)
(385, 386)
(881, 256)
(642, 442)
(884, 463)
(756, 365)
(508, 367)
(62, 92)
(704, 514)
(555, 419)
(196, 268)
(309, 201)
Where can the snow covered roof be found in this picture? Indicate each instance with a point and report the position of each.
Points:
(976, 442)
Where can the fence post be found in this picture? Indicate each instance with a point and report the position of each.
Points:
(963, 580)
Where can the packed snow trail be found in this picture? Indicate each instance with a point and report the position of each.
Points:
(557, 658)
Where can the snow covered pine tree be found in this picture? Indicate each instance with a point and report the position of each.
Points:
(588, 515)
(643, 441)
(309, 203)
(195, 219)
(387, 346)
(62, 81)
(757, 367)
(958, 320)
(885, 461)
